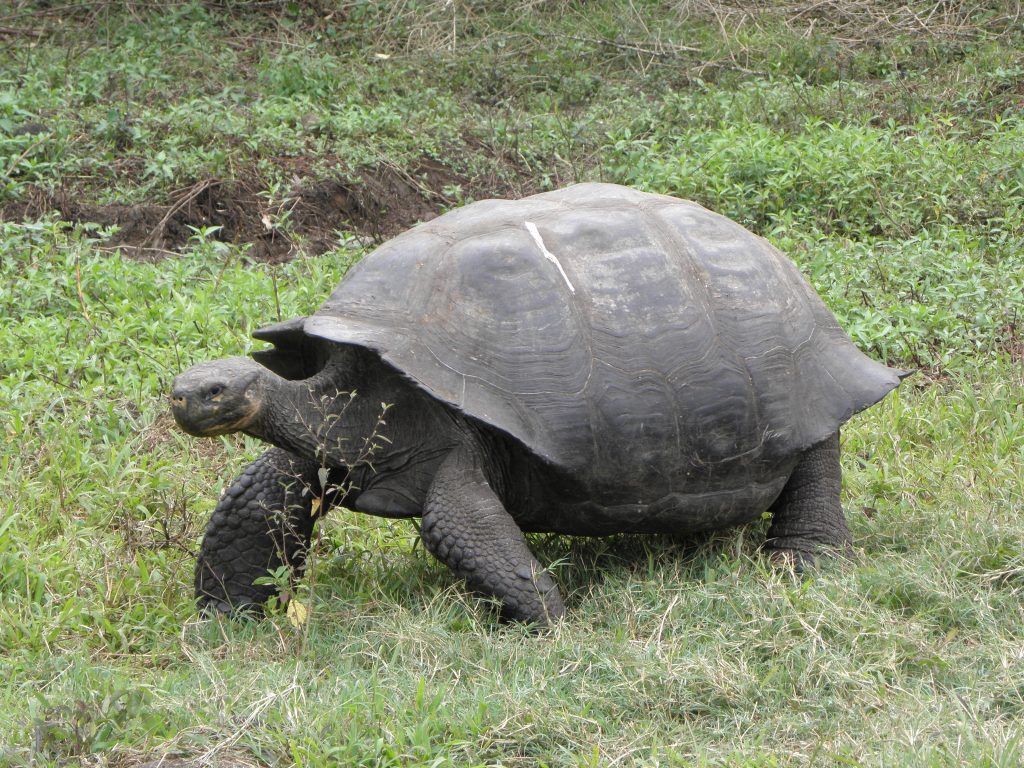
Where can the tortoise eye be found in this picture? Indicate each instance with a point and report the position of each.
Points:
(215, 390)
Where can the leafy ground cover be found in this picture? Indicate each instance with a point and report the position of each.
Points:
(171, 179)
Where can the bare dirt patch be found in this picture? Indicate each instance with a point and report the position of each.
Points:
(374, 204)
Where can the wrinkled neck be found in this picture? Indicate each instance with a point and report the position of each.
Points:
(317, 417)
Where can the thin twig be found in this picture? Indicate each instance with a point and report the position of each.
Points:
(196, 190)
(51, 11)
(277, 297)
(20, 32)
(671, 51)
(81, 294)
(23, 155)
(53, 380)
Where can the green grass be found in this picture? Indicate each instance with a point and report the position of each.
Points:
(889, 169)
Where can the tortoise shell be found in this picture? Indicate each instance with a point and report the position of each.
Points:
(637, 341)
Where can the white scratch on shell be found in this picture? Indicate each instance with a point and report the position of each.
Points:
(535, 234)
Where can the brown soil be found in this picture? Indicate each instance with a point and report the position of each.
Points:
(376, 204)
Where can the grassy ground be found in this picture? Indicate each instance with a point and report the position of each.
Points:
(878, 143)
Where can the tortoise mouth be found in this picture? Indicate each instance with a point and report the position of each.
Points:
(217, 424)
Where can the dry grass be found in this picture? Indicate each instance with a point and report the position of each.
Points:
(866, 22)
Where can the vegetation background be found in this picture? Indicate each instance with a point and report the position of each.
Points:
(174, 174)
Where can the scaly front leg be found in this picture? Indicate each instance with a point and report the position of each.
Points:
(468, 529)
(264, 520)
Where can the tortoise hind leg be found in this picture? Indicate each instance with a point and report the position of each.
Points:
(264, 520)
(807, 518)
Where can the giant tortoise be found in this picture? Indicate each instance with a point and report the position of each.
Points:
(587, 361)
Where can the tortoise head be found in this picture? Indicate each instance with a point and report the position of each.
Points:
(218, 397)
